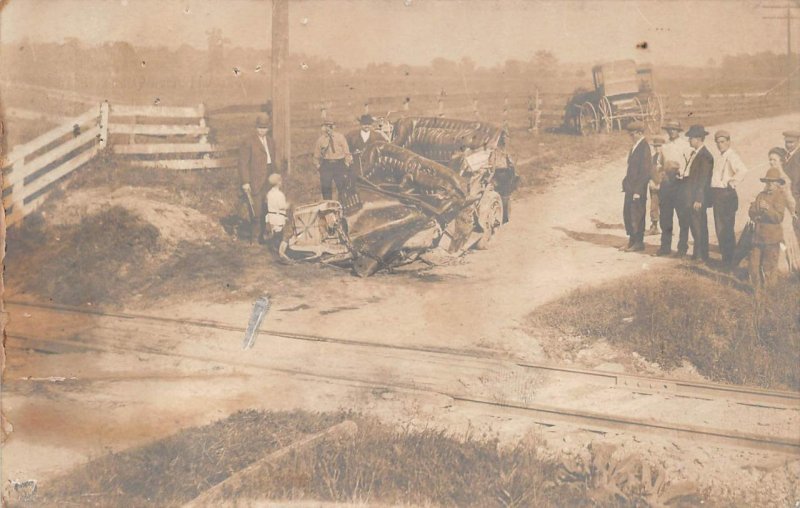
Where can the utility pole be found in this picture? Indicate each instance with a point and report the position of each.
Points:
(789, 17)
(281, 119)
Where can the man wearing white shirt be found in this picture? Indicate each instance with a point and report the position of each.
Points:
(727, 174)
(674, 155)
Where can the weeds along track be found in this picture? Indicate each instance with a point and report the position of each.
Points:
(431, 370)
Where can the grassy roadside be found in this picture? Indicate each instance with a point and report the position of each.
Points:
(673, 315)
(378, 465)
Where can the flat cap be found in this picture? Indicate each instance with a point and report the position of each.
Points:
(275, 179)
(791, 134)
(672, 125)
(722, 134)
(635, 126)
(658, 141)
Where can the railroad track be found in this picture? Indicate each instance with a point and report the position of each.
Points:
(543, 414)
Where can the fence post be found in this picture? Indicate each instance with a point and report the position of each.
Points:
(104, 114)
(366, 108)
(201, 111)
(441, 107)
(475, 108)
(324, 111)
(406, 104)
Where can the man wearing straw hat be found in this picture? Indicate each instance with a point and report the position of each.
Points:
(256, 163)
(675, 152)
(767, 212)
(332, 157)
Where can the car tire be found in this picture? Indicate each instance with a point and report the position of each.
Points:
(490, 217)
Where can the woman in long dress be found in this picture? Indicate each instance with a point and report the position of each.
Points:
(790, 247)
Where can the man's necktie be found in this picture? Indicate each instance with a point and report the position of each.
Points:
(330, 143)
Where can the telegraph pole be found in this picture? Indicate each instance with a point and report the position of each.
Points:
(281, 123)
(789, 17)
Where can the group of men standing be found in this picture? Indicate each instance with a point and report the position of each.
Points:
(336, 157)
(684, 179)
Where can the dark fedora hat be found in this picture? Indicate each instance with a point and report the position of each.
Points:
(366, 120)
(635, 126)
(773, 175)
(262, 121)
(696, 131)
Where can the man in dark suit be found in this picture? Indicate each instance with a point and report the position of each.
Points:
(634, 185)
(791, 140)
(695, 193)
(256, 163)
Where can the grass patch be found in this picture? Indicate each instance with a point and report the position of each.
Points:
(379, 465)
(672, 315)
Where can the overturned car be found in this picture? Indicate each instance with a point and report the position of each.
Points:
(439, 185)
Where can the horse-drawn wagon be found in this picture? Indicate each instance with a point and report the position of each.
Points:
(623, 92)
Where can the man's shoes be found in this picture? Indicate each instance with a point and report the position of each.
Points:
(679, 254)
(626, 248)
(663, 252)
(653, 230)
(636, 247)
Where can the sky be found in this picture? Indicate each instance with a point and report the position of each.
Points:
(357, 32)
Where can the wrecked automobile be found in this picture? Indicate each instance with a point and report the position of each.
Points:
(439, 186)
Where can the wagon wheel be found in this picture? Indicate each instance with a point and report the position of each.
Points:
(606, 123)
(655, 113)
(641, 115)
(587, 119)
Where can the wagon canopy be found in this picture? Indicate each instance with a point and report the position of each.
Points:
(616, 78)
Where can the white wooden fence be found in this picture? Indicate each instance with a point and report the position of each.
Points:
(29, 169)
(175, 138)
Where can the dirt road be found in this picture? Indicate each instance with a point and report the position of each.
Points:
(557, 241)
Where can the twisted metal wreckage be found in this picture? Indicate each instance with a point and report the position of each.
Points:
(439, 184)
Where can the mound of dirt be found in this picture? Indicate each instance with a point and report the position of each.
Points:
(175, 223)
(92, 261)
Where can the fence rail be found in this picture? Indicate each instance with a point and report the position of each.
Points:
(30, 168)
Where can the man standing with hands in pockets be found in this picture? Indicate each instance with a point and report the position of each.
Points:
(727, 174)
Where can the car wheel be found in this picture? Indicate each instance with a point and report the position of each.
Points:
(490, 216)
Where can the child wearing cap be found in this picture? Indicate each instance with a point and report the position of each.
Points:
(767, 212)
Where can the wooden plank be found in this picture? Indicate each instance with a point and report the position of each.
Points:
(157, 130)
(56, 174)
(28, 114)
(21, 151)
(161, 148)
(16, 176)
(216, 494)
(157, 111)
(186, 164)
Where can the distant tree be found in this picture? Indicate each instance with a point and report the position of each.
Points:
(216, 49)
(545, 62)
(443, 66)
(467, 65)
(513, 67)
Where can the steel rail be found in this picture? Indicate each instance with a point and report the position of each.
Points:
(750, 396)
(541, 414)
